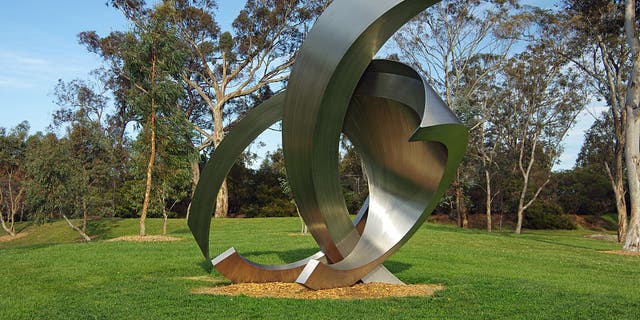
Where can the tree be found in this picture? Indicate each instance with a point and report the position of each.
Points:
(543, 99)
(92, 155)
(443, 42)
(12, 186)
(353, 179)
(596, 44)
(232, 64)
(173, 164)
(152, 60)
(53, 182)
(486, 145)
(632, 127)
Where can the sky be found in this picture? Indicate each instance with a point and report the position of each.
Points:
(39, 45)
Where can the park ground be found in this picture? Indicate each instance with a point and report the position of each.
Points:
(49, 274)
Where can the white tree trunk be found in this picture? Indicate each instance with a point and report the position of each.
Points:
(84, 235)
(632, 143)
(487, 177)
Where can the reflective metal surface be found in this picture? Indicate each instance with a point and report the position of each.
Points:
(409, 141)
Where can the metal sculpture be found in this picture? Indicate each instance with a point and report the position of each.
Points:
(409, 141)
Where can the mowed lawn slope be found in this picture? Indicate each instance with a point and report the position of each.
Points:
(537, 275)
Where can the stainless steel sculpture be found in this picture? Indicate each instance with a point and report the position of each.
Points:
(409, 140)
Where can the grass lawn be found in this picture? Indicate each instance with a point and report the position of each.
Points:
(537, 275)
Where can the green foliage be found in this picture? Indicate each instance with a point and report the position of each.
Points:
(13, 150)
(353, 180)
(542, 275)
(260, 193)
(583, 190)
(50, 174)
(547, 215)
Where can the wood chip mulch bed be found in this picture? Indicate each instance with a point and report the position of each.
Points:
(8, 237)
(622, 253)
(297, 291)
(605, 237)
(145, 239)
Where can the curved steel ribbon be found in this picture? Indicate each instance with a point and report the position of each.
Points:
(409, 140)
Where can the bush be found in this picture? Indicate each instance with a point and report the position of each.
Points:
(547, 215)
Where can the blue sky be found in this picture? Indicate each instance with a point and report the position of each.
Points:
(38, 46)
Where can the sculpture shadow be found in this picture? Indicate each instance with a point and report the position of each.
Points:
(396, 266)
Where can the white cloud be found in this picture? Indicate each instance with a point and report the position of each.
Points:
(31, 61)
(13, 83)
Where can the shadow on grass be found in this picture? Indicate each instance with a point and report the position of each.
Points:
(396, 266)
(101, 228)
(532, 236)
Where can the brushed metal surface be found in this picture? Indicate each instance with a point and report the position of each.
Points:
(330, 63)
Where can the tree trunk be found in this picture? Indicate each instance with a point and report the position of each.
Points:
(632, 141)
(2, 222)
(461, 208)
(4, 226)
(621, 208)
(14, 202)
(303, 226)
(617, 184)
(152, 156)
(523, 194)
(84, 235)
(487, 177)
(632, 239)
(222, 199)
(84, 215)
(164, 220)
(195, 177)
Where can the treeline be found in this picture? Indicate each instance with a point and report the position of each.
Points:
(131, 142)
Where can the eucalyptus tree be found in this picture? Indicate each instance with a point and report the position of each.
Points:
(153, 60)
(486, 144)
(54, 188)
(229, 64)
(594, 40)
(225, 65)
(83, 112)
(146, 63)
(543, 98)
(12, 173)
(632, 127)
(443, 43)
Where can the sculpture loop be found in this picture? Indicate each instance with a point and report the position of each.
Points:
(409, 141)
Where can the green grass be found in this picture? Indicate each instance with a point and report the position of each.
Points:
(537, 275)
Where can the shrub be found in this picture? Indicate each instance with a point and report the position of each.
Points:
(547, 215)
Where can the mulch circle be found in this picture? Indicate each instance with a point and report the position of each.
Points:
(297, 291)
(8, 237)
(622, 253)
(145, 239)
(605, 237)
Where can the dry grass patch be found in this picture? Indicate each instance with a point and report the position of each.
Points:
(297, 291)
(145, 239)
(605, 237)
(8, 237)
